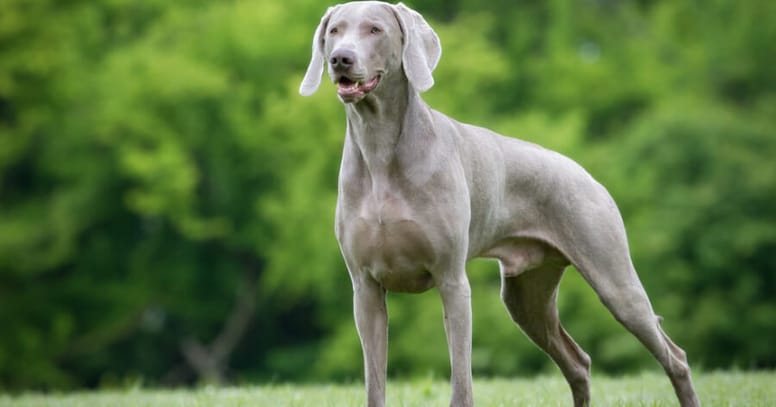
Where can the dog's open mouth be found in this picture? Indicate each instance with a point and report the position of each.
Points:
(348, 88)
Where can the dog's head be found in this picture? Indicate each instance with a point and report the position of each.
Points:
(363, 43)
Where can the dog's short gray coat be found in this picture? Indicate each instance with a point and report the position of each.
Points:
(420, 194)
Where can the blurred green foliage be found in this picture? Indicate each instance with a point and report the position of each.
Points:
(164, 189)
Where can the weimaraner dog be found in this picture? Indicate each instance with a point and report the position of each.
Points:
(420, 194)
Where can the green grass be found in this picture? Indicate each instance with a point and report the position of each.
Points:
(648, 389)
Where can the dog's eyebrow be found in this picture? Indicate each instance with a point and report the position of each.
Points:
(340, 23)
(371, 22)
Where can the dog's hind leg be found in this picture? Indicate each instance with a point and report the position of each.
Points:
(531, 299)
(621, 292)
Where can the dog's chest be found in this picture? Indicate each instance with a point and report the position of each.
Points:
(385, 236)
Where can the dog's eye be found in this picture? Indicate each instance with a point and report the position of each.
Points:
(333, 30)
(376, 30)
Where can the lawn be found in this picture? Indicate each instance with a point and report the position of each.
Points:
(648, 389)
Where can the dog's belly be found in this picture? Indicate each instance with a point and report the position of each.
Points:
(397, 253)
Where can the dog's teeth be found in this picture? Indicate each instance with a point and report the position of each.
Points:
(358, 84)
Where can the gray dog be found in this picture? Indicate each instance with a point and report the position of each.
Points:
(420, 194)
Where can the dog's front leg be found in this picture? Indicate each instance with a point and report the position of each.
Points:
(372, 324)
(456, 298)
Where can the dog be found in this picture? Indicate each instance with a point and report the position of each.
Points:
(420, 194)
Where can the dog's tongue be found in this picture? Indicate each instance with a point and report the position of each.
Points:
(347, 88)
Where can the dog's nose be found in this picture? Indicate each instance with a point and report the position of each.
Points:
(342, 59)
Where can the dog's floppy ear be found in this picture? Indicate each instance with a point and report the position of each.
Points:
(312, 79)
(422, 49)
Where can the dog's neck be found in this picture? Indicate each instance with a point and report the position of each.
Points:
(376, 123)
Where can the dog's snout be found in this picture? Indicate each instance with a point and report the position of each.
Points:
(342, 59)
